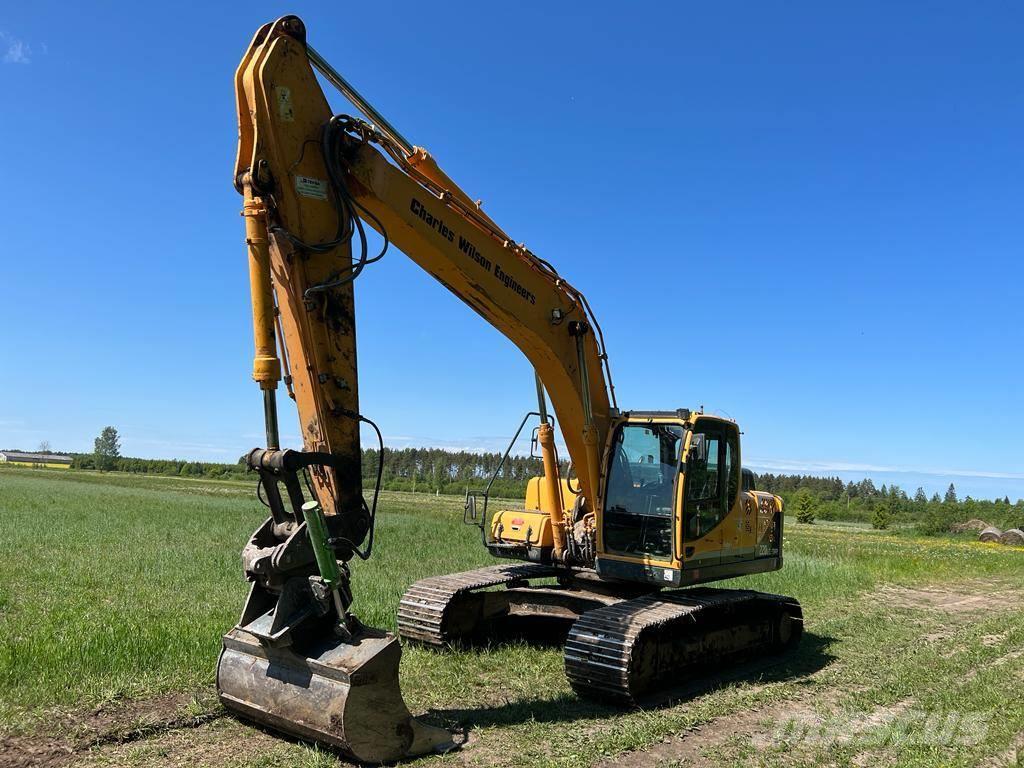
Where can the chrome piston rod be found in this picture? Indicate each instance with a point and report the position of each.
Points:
(349, 92)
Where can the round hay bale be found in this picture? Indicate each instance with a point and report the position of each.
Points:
(1013, 537)
(974, 524)
(990, 535)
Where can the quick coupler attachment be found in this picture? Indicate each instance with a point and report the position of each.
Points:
(300, 663)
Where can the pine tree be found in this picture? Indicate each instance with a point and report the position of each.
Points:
(950, 494)
(885, 513)
(805, 506)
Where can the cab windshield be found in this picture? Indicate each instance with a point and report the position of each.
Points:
(638, 510)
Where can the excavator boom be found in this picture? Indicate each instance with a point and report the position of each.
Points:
(504, 283)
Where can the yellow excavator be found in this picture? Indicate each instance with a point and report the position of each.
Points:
(654, 503)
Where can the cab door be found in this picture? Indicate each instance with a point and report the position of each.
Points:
(706, 498)
(637, 522)
(738, 524)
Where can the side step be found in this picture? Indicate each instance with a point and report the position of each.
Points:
(435, 612)
(622, 652)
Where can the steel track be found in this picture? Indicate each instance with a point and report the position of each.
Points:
(623, 650)
(635, 647)
(426, 610)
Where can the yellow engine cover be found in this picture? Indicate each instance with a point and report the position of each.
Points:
(521, 527)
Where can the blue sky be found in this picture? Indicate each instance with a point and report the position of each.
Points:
(807, 216)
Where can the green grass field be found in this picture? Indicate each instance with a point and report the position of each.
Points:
(115, 589)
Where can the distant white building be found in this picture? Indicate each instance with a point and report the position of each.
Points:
(26, 459)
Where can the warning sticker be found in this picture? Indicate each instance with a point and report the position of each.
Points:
(307, 186)
(284, 104)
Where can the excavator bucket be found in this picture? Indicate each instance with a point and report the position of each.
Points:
(298, 661)
(343, 693)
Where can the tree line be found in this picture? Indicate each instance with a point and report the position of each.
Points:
(428, 470)
(829, 498)
(438, 470)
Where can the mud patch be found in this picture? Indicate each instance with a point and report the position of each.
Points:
(702, 746)
(1011, 758)
(25, 751)
(119, 722)
(223, 742)
(692, 748)
(968, 599)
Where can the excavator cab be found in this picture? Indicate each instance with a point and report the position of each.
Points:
(674, 511)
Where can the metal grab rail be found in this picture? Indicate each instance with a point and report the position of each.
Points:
(469, 512)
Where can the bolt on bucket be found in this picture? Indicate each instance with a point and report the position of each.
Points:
(341, 693)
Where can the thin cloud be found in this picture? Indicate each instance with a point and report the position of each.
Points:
(184, 447)
(16, 51)
(818, 467)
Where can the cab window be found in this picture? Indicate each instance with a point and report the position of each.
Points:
(639, 504)
(732, 470)
(712, 478)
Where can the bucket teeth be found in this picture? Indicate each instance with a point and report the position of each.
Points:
(344, 694)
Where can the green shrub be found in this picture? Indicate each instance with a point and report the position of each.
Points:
(937, 519)
(881, 518)
(806, 506)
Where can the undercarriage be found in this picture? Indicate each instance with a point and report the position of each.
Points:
(622, 641)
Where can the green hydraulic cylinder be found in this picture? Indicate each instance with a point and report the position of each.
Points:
(316, 527)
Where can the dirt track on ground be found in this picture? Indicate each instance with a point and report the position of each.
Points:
(190, 730)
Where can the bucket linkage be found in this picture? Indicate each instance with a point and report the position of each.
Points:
(298, 661)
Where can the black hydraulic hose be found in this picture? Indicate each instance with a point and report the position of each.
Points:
(349, 221)
(376, 489)
(364, 554)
